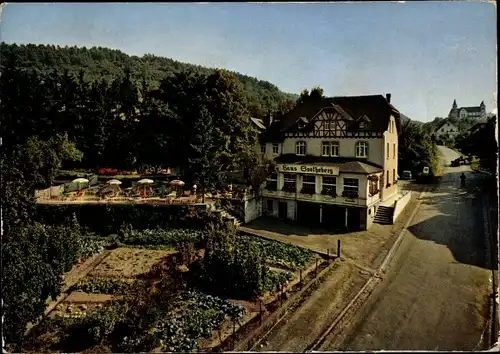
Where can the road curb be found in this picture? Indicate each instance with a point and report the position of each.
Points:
(372, 279)
(398, 241)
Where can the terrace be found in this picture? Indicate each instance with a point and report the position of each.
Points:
(106, 189)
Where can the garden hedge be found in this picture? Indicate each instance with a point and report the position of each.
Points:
(108, 219)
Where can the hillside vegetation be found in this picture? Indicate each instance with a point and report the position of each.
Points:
(99, 63)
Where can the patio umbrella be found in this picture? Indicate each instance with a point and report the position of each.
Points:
(115, 182)
(79, 181)
(145, 181)
(177, 183)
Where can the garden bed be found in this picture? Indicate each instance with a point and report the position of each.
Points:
(129, 262)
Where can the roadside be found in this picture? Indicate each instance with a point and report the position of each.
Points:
(435, 293)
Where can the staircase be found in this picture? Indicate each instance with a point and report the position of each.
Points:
(229, 217)
(384, 215)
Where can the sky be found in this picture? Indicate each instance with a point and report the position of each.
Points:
(424, 53)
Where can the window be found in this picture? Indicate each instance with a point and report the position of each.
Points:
(270, 206)
(335, 149)
(308, 185)
(276, 149)
(328, 125)
(387, 179)
(393, 150)
(362, 125)
(290, 182)
(300, 148)
(394, 176)
(263, 148)
(388, 151)
(351, 188)
(325, 148)
(329, 186)
(362, 149)
(330, 148)
(272, 182)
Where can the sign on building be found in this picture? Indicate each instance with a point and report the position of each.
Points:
(426, 170)
(309, 169)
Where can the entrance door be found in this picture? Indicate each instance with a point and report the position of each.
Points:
(333, 217)
(282, 210)
(353, 218)
(308, 214)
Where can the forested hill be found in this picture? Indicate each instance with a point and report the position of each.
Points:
(99, 62)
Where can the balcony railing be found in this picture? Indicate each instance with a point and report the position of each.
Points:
(271, 186)
(329, 191)
(308, 189)
(289, 187)
(350, 194)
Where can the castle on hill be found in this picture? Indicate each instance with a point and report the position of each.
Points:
(478, 112)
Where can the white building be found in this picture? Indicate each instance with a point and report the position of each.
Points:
(337, 161)
(446, 129)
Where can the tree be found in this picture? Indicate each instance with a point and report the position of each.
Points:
(34, 260)
(416, 149)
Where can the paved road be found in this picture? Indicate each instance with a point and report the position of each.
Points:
(434, 295)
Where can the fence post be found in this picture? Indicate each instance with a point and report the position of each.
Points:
(234, 331)
(338, 248)
(260, 311)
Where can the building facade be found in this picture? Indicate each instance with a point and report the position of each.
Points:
(336, 161)
(446, 129)
(478, 112)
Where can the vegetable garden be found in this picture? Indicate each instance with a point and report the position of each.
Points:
(115, 306)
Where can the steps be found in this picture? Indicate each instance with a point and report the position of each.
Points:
(384, 215)
(229, 217)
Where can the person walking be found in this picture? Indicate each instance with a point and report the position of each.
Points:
(462, 179)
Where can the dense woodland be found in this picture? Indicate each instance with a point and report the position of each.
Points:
(98, 63)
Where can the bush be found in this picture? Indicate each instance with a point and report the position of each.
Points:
(232, 266)
(102, 286)
(282, 254)
(275, 279)
(172, 237)
(88, 246)
(108, 219)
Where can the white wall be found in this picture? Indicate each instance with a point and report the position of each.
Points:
(400, 204)
(253, 209)
(347, 147)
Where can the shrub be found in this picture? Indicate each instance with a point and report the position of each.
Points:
(102, 286)
(282, 254)
(172, 237)
(108, 219)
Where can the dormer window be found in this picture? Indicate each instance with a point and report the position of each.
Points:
(300, 148)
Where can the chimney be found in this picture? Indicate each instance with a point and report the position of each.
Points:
(388, 97)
